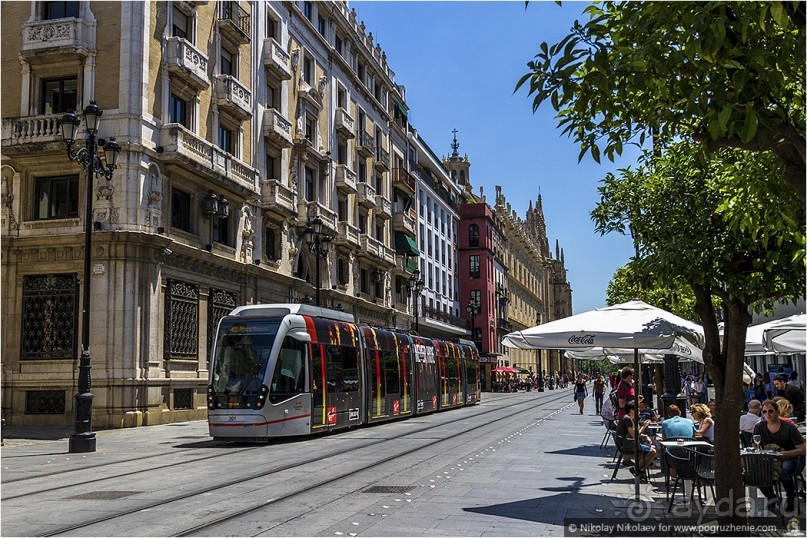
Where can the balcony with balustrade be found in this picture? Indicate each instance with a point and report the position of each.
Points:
(403, 181)
(381, 159)
(365, 194)
(276, 60)
(344, 123)
(65, 38)
(307, 211)
(365, 145)
(278, 198)
(402, 221)
(383, 207)
(233, 97)
(374, 249)
(347, 234)
(235, 22)
(192, 153)
(276, 128)
(186, 61)
(19, 134)
(345, 179)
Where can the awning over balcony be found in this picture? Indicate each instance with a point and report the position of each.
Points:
(405, 245)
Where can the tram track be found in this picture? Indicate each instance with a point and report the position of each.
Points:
(277, 470)
(218, 444)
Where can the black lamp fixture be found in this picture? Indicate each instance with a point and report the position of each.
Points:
(214, 206)
(319, 244)
(82, 439)
(416, 285)
(473, 309)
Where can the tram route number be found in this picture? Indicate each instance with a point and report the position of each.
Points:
(353, 414)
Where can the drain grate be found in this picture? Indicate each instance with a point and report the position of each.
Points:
(104, 495)
(388, 489)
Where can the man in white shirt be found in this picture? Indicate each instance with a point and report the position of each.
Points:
(750, 419)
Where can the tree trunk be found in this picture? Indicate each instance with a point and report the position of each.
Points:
(726, 371)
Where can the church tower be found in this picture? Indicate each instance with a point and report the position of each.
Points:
(458, 167)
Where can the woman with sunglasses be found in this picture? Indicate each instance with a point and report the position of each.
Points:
(791, 445)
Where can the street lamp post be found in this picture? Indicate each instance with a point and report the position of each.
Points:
(82, 439)
(473, 310)
(319, 245)
(415, 289)
(214, 206)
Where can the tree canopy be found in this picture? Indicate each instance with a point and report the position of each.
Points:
(729, 74)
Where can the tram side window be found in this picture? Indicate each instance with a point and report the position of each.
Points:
(289, 377)
(392, 372)
(343, 368)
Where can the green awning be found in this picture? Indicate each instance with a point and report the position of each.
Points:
(405, 245)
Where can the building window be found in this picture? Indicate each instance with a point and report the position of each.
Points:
(181, 320)
(59, 10)
(226, 64)
(272, 166)
(226, 140)
(308, 10)
(473, 235)
(180, 26)
(364, 281)
(179, 111)
(341, 98)
(270, 242)
(221, 230)
(180, 210)
(338, 45)
(56, 197)
(59, 95)
(341, 271)
(321, 25)
(309, 129)
(219, 304)
(49, 316)
(341, 209)
(272, 96)
(474, 260)
(309, 184)
(271, 27)
(362, 222)
(308, 70)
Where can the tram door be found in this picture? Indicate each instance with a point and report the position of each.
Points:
(334, 386)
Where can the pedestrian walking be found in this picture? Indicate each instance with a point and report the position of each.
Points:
(599, 392)
(580, 392)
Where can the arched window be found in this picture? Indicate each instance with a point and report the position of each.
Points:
(473, 235)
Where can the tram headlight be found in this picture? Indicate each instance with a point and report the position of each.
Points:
(211, 397)
(262, 397)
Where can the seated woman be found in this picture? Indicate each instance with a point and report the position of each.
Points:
(777, 433)
(625, 431)
(785, 409)
(706, 426)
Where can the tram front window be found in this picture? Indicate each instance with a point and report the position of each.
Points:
(240, 361)
(289, 376)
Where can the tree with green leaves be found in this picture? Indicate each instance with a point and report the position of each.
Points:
(685, 214)
(728, 74)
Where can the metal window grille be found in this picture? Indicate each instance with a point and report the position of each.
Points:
(45, 402)
(49, 316)
(219, 304)
(183, 398)
(181, 320)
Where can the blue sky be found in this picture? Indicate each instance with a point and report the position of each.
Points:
(460, 62)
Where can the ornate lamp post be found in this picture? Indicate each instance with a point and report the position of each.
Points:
(415, 289)
(319, 245)
(473, 310)
(82, 439)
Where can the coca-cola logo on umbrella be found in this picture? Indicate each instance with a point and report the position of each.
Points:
(584, 340)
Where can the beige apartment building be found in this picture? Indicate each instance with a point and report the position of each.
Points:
(242, 125)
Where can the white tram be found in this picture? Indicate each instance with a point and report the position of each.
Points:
(293, 369)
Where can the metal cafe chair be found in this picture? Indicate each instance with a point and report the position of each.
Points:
(759, 471)
(626, 450)
(683, 460)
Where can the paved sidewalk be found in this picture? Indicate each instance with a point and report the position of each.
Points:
(534, 481)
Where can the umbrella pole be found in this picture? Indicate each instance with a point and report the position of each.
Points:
(637, 364)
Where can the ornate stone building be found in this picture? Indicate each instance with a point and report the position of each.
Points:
(241, 124)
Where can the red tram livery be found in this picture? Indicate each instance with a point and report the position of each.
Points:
(292, 369)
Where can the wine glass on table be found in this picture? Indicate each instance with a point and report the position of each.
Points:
(757, 440)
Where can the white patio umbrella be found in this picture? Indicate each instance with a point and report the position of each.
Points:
(634, 325)
(787, 335)
(685, 351)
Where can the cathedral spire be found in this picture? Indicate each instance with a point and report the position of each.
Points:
(455, 145)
